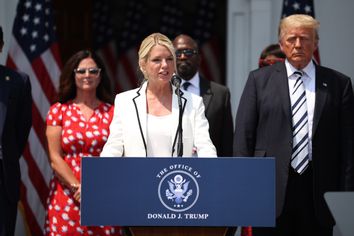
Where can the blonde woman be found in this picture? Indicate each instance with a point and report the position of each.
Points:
(146, 118)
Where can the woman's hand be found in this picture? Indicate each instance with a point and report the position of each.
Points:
(76, 190)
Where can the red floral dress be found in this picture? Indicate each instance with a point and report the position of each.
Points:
(80, 137)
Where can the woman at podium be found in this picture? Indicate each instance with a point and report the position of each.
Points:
(146, 119)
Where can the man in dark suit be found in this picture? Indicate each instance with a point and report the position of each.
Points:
(15, 124)
(216, 97)
(322, 160)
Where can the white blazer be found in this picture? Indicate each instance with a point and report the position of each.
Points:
(128, 128)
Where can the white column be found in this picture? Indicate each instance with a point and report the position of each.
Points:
(249, 31)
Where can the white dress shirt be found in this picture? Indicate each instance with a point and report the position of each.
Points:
(194, 84)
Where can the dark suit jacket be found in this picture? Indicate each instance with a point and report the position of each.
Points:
(15, 124)
(263, 128)
(216, 99)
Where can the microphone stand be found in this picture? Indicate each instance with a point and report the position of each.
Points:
(176, 81)
(179, 127)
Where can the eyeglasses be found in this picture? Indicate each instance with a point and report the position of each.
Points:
(268, 62)
(186, 52)
(91, 71)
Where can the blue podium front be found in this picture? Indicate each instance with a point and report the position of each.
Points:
(178, 191)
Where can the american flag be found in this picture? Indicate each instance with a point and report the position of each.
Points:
(209, 44)
(171, 20)
(138, 19)
(104, 42)
(175, 21)
(134, 29)
(119, 49)
(291, 7)
(33, 50)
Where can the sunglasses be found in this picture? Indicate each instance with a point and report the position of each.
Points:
(186, 52)
(91, 71)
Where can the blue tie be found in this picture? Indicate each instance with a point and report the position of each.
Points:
(300, 152)
(186, 85)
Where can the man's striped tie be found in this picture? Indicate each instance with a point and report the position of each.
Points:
(300, 153)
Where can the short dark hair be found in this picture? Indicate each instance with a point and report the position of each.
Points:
(1, 35)
(272, 49)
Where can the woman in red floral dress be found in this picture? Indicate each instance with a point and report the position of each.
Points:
(77, 126)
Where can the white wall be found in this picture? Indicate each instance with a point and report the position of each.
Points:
(337, 34)
(7, 15)
(253, 24)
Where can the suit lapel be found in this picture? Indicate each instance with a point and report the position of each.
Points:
(322, 84)
(140, 108)
(205, 92)
(283, 89)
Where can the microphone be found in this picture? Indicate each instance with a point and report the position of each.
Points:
(176, 80)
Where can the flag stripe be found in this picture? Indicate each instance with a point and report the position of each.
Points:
(40, 157)
(110, 57)
(21, 63)
(127, 65)
(31, 200)
(43, 78)
(106, 60)
(209, 62)
(52, 67)
(35, 175)
(54, 50)
(38, 125)
(124, 81)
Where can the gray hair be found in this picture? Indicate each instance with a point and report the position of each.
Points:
(298, 20)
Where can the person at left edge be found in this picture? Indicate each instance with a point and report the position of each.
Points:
(146, 118)
(15, 125)
(77, 126)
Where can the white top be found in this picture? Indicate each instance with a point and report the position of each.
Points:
(158, 136)
(128, 129)
(309, 81)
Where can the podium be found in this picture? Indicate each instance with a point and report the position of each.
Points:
(341, 205)
(178, 196)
